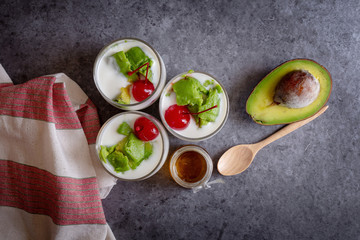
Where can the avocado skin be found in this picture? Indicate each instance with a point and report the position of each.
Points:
(296, 114)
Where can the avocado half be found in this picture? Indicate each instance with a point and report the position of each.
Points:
(260, 104)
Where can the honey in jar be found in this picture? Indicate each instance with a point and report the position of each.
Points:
(191, 166)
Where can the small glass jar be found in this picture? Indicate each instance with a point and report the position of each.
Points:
(179, 175)
(192, 132)
(108, 136)
(109, 80)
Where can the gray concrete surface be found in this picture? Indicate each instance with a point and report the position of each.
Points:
(304, 186)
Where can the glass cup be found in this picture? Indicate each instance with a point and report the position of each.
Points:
(109, 80)
(108, 136)
(177, 174)
(193, 133)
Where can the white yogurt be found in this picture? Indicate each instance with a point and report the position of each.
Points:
(109, 80)
(193, 132)
(109, 136)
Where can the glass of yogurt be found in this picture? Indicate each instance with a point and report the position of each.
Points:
(108, 136)
(193, 132)
(109, 80)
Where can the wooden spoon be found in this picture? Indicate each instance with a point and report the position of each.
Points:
(238, 158)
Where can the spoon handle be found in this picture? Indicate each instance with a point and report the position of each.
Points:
(289, 128)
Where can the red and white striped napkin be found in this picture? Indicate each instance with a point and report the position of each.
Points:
(51, 182)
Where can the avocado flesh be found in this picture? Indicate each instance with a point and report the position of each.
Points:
(260, 104)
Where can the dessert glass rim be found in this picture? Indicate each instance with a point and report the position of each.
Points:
(162, 116)
(163, 135)
(137, 105)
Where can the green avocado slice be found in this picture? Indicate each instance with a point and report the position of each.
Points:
(103, 153)
(189, 91)
(134, 148)
(148, 150)
(212, 100)
(124, 129)
(137, 57)
(119, 161)
(131, 60)
(123, 62)
(121, 144)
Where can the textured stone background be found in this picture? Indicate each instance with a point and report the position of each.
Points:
(304, 186)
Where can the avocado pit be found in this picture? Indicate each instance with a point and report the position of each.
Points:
(297, 89)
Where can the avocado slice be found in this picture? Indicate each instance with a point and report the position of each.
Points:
(261, 106)
(124, 65)
(124, 129)
(212, 100)
(104, 152)
(120, 146)
(124, 96)
(137, 57)
(122, 61)
(119, 161)
(131, 60)
(148, 150)
(189, 91)
(134, 148)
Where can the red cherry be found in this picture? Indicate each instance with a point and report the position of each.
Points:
(142, 89)
(145, 129)
(178, 117)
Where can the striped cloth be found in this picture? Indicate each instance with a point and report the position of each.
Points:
(51, 182)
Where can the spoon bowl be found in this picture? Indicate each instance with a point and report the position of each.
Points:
(238, 158)
(243, 152)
